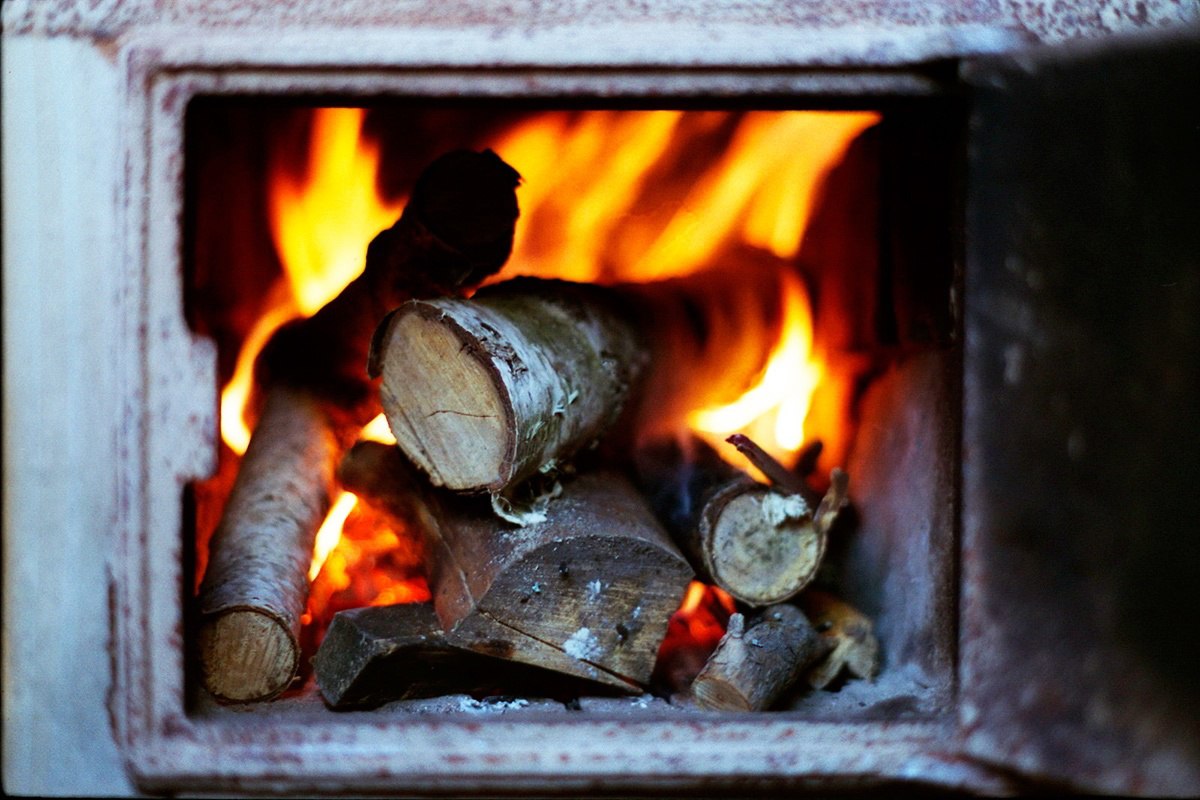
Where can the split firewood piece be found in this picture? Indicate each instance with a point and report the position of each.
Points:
(759, 544)
(456, 229)
(371, 656)
(753, 664)
(482, 394)
(851, 634)
(587, 592)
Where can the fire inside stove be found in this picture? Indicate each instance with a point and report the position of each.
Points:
(622, 476)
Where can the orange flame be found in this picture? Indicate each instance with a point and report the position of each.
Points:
(753, 180)
(321, 225)
(607, 196)
(772, 412)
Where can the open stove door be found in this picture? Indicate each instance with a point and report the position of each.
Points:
(1080, 617)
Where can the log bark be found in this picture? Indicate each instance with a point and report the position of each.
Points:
(484, 393)
(757, 543)
(371, 656)
(587, 592)
(256, 582)
(754, 664)
(854, 648)
(313, 396)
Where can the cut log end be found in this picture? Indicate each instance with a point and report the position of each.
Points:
(763, 546)
(454, 423)
(246, 656)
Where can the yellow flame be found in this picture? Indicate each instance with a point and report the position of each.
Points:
(234, 429)
(772, 412)
(378, 430)
(322, 223)
(331, 531)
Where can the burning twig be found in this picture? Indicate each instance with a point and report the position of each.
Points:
(456, 229)
(754, 664)
(780, 476)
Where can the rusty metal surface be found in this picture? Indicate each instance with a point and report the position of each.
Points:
(1081, 553)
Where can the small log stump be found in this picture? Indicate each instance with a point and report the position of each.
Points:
(753, 665)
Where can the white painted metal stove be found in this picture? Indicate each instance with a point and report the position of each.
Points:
(109, 404)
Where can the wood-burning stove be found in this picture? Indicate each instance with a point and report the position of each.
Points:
(1054, 575)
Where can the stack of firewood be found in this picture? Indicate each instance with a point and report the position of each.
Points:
(554, 565)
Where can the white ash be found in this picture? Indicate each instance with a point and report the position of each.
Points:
(473, 706)
(594, 588)
(778, 508)
(582, 645)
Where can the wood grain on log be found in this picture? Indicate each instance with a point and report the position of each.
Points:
(379, 654)
(754, 664)
(587, 592)
(456, 229)
(484, 393)
(757, 543)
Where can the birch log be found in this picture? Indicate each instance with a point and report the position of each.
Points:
(314, 395)
(757, 543)
(256, 583)
(754, 664)
(484, 393)
(481, 394)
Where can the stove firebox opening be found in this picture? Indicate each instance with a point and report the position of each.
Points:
(574, 409)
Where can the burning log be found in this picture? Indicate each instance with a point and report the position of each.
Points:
(753, 665)
(483, 393)
(371, 656)
(587, 592)
(759, 544)
(456, 229)
(851, 635)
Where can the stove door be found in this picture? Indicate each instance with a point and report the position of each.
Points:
(1081, 548)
